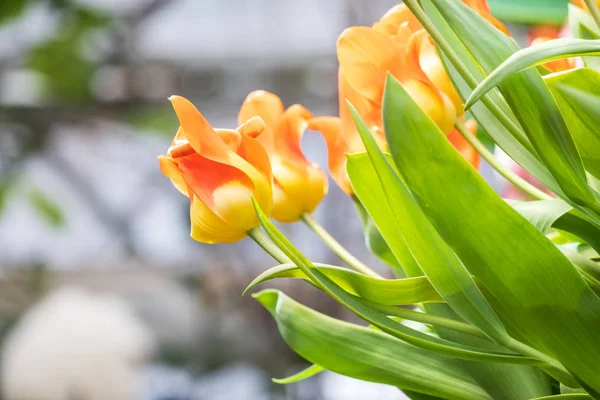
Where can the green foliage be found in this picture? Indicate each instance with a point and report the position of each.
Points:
(511, 289)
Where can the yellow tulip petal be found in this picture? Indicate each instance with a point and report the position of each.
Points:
(207, 227)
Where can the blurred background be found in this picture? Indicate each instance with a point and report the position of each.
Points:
(103, 295)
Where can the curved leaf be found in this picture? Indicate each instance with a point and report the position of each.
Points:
(531, 102)
(299, 376)
(578, 95)
(532, 285)
(382, 291)
(532, 56)
(406, 221)
(366, 354)
(377, 318)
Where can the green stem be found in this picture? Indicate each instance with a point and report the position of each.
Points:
(263, 241)
(593, 7)
(429, 319)
(502, 170)
(549, 364)
(464, 72)
(337, 248)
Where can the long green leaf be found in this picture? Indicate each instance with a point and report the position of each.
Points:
(532, 56)
(536, 290)
(530, 100)
(578, 95)
(565, 397)
(383, 291)
(517, 147)
(375, 317)
(542, 213)
(366, 354)
(375, 242)
(443, 269)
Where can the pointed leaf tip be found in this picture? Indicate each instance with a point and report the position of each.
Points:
(268, 298)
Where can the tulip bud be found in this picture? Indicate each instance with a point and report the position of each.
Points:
(299, 184)
(220, 171)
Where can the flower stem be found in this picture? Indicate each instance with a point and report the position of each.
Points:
(593, 7)
(263, 241)
(502, 170)
(429, 319)
(337, 248)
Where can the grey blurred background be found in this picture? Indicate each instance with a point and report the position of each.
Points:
(94, 241)
(103, 294)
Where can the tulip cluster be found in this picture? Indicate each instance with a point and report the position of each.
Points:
(221, 170)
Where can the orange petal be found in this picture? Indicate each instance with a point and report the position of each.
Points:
(430, 63)
(433, 102)
(365, 57)
(253, 127)
(254, 153)
(331, 129)
(289, 133)
(262, 104)
(170, 170)
(269, 107)
(200, 134)
(463, 146)
(204, 176)
(230, 137)
(392, 20)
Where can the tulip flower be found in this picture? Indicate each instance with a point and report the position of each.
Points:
(397, 44)
(299, 185)
(220, 171)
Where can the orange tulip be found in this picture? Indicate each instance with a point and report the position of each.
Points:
(299, 184)
(398, 44)
(219, 170)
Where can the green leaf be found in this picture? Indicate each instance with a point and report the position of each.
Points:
(383, 291)
(370, 193)
(578, 95)
(375, 242)
(530, 100)
(556, 213)
(517, 147)
(565, 397)
(407, 222)
(300, 376)
(377, 318)
(366, 354)
(532, 56)
(541, 213)
(582, 25)
(535, 289)
(47, 208)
